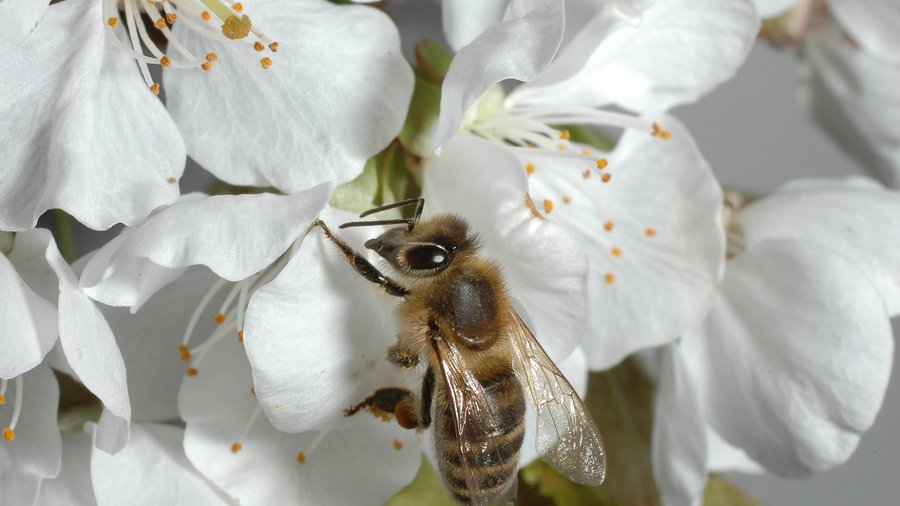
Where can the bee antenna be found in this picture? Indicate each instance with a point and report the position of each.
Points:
(418, 201)
(409, 223)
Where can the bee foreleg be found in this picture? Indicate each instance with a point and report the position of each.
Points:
(389, 401)
(363, 266)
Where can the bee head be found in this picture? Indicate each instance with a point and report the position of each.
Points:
(426, 250)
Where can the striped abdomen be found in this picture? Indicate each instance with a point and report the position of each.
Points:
(492, 452)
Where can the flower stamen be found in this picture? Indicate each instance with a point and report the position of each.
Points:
(9, 433)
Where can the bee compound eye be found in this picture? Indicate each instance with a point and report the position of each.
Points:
(426, 257)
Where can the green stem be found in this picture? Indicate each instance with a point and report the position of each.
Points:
(65, 235)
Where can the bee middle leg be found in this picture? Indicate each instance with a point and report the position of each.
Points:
(400, 402)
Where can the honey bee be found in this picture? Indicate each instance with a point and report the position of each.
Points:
(457, 317)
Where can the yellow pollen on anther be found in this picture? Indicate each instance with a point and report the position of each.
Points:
(236, 447)
(191, 371)
(609, 278)
(9, 434)
(160, 24)
(165, 61)
(273, 47)
(602, 163)
(660, 132)
(608, 226)
(301, 458)
(398, 445)
(205, 15)
(565, 135)
(155, 88)
(2, 399)
(266, 62)
(241, 336)
(650, 232)
(237, 28)
(238, 7)
(207, 66)
(548, 206)
(586, 174)
(616, 251)
(211, 57)
(567, 199)
(171, 17)
(258, 46)
(529, 168)
(185, 352)
(586, 152)
(219, 318)
(112, 22)
(606, 177)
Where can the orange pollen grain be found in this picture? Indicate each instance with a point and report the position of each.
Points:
(160, 24)
(273, 47)
(602, 163)
(211, 57)
(301, 458)
(165, 61)
(398, 445)
(236, 447)
(185, 355)
(586, 174)
(608, 226)
(205, 15)
(529, 168)
(112, 22)
(9, 434)
(241, 336)
(616, 251)
(609, 278)
(238, 7)
(266, 62)
(567, 199)
(650, 232)
(258, 46)
(155, 88)
(171, 17)
(191, 371)
(606, 177)
(548, 206)
(565, 135)
(2, 399)
(219, 318)
(207, 66)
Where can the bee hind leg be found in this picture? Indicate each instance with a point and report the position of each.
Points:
(401, 404)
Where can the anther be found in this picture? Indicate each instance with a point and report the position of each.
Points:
(191, 371)
(548, 206)
(165, 61)
(301, 458)
(253, 391)
(2, 399)
(219, 318)
(609, 278)
(9, 434)
(567, 199)
(565, 135)
(258, 46)
(171, 17)
(185, 352)
(398, 445)
(171, 180)
(112, 22)
(207, 66)
(241, 336)
(273, 47)
(205, 15)
(236, 447)
(266, 62)
(586, 174)
(235, 28)
(608, 226)
(238, 7)
(586, 152)
(606, 177)
(529, 168)
(650, 232)
(160, 24)
(660, 132)
(602, 163)
(211, 57)
(616, 251)
(155, 88)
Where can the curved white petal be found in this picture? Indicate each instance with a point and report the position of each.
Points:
(772, 8)
(679, 450)
(854, 97)
(677, 52)
(151, 470)
(861, 224)
(723, 457)
(73, 484)
(336, 94)
(234, 235)
(18, 18)
(794, 356)
(652, 233)
(83, 132)
(321, 325)
(35, 453)
(544, 267)
(518, 48)
(464, 20)
(872, 24)
(218, 407)
(28, 289)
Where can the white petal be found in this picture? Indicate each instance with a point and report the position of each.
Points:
(861, 224)
(151, 470)
(19, 17)
(27, 319)
(83, 132)
(679, 439)
(35, 453)
(464, 20)
(336, 94)
(321, 325)
(218, 406)
(772, 8)
(854, 97)
(544, 267)
(518, 48)
(234, 235)
(652, 233)
(73, 484)
(872, 24)
(794, 357)
(679, 51)
(726, 458)
(149, 342)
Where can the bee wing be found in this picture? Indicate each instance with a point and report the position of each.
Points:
(472, 414)
(567, 437)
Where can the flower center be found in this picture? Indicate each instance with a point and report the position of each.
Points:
(9, 433)
(234, 27)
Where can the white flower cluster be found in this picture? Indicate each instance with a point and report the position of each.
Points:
(225, 335)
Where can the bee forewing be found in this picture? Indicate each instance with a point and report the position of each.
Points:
(566, 436)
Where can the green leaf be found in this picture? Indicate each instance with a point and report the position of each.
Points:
(358, 195)
(433, 60)
(426, 488)
(424, 108)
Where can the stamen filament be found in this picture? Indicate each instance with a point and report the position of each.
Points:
(130, 22)
(207, 298)
(219, 8)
